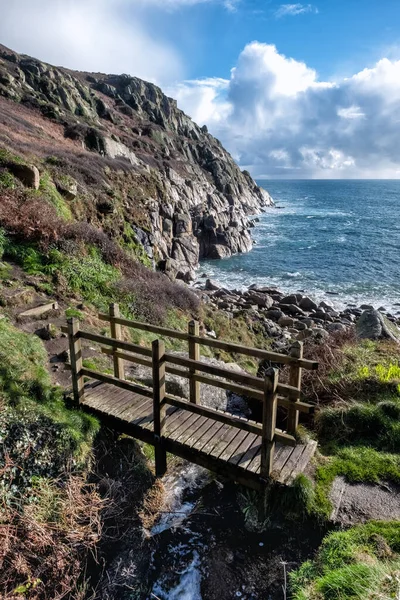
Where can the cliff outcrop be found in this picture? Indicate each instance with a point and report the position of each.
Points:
(156, 179)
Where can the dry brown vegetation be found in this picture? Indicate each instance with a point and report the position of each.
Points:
(43, 547)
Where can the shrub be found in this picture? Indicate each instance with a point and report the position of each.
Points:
(357, 564)
(28, 218)
(44, 547)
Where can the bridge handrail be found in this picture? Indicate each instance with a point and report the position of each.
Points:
(275, 357)
(268, 390)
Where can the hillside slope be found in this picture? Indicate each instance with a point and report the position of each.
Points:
(129, 161)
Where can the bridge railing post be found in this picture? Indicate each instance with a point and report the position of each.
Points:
(116, 333)
(269, 421)
(158, 361)
(194, 354)
(75, 351)
(296, 351)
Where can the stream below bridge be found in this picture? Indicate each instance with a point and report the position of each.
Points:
(203, 547)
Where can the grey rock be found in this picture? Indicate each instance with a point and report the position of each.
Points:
(291, 309)
(335, 327)
(212, 285)
(28, 174)
(307, 304)
(274, 314)
(67, 187)
(286, 322)
(374, 326)
(292, 299)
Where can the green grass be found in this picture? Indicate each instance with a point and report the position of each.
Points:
(38, 432)
(49, 191)
(357, 464)
(7, 180)
(74, 312)
(359, 435)
(8, 157)
(361, 563)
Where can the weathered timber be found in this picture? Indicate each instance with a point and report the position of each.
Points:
(102, 339)
(194, 354)
(164, 331)
(247, 380)
(158, 355)
(230, 445)
(296, 351)
(257, 353)
(269, 421)
(216, 415)
(75, 350)
(126, 385)
(116, 333)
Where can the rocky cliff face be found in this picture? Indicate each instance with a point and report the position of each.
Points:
(167, 180)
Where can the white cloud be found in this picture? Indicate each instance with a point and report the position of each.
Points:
(292, 10)
(351, 112)
(92, 35)
(276, 117)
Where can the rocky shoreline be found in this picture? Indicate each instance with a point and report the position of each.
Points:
(285, 317)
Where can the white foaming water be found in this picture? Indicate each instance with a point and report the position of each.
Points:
(188, 587)
(336, 240)
(189, 478)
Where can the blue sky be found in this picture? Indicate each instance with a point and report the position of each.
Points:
(291, 89)
(332, 36)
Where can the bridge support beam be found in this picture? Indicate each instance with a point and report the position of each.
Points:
(158, 360)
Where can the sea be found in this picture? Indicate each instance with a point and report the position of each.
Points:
(336, 239)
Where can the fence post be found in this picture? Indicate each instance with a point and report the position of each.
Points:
(158, 359)
(75, 351)
(296, 351)
(115, 329)
(269, 421)
(194, 354)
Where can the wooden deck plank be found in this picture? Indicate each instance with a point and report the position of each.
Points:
(207, 435)
(239, 453)
(100, 399)
(179, 418)
(184, 428)
(202, 426)
(251, 453)
(98, 403)
(295, 455)
(180, 414)
(232, 445)
(137, 413)
(213, 441)
(225, 441)
(122, 403)
(184, 438)
(303, 461)
(133, 406)
(221, 442)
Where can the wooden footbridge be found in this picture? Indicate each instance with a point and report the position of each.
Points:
(232, 446)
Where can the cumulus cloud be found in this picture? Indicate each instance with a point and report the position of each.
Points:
(292, 10)
(92, 35)
(278, 119)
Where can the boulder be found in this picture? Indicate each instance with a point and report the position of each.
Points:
(307, 304)
(274, 314)
(331, 327)
(211, 285)
(373, 325)
(292, 299)
(28, 174)
(286, 322)
(291, 309)
(67, 187)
